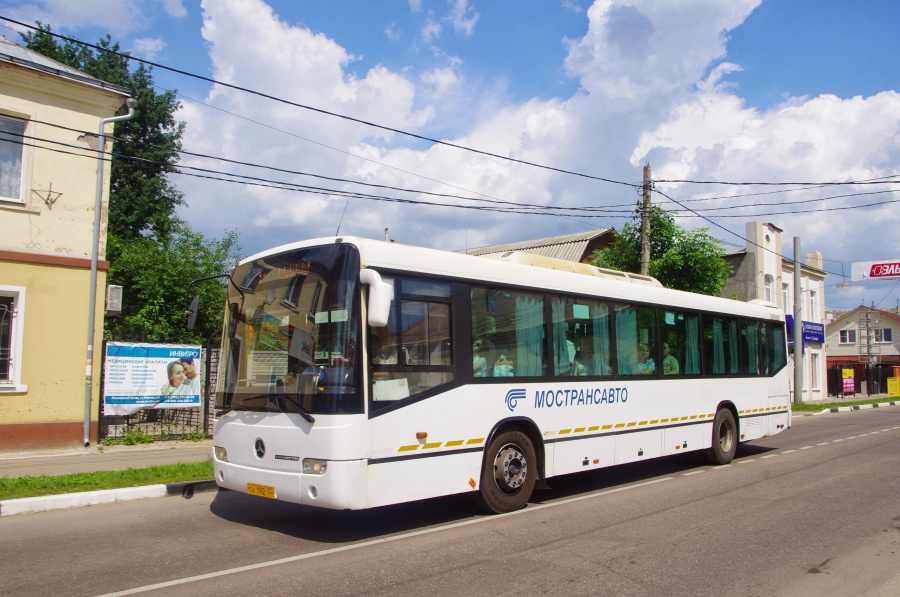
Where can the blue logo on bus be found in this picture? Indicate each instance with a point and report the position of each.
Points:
(513, 397)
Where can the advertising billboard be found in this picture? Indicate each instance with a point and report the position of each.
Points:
(875, 270)
(140, 376)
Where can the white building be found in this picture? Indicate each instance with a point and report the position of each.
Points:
(760, 271)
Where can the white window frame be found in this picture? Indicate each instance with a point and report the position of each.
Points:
(814, 376)
(17, 334)
(769, 288)
(27, 156)
(879, 335)
(785, 296)
(846, 334)
(813, 306)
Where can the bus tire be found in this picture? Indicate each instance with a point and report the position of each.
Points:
(509, 473)
(724, 438)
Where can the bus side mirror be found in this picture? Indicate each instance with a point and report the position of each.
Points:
(380, 295)
(192, 312)
(234, 314)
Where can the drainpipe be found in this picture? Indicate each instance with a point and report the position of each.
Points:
(88, 382)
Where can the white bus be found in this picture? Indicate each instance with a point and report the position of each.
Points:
(358, 373)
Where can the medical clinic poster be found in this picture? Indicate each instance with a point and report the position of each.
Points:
(140, 376)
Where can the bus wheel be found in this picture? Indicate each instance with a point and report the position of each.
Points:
(509, 473)
(724, 440)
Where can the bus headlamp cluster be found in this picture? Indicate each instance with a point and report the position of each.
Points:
(314, 466)
(221, 454)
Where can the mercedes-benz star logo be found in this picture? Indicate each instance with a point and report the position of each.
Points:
(260, 448)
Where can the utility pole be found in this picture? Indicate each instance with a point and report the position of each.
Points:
(798, 325)
(645, 224)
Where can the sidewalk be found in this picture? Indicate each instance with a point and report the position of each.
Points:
(111, 458)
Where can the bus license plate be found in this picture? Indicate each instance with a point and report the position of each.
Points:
(261, 490)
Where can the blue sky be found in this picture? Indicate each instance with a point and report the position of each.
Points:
(724, 90)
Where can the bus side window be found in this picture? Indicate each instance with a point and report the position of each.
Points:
(681, 343)
(636, 345)
(581, 344)
(510, 327)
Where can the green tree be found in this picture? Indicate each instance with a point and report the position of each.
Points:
(155, 275)
(690, 260)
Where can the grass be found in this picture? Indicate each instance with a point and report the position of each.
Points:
(816, 407)
(20, 487)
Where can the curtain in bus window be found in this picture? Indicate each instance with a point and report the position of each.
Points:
(692, 344)
(751, 357)
(733, 355)
(626, 341)
(562, 364)
(600, 320)
(718, 363)
(529, 336)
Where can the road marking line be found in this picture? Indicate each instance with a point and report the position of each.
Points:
(744, 461)
(807, 447)
(834, 441)
(692, 473)
(315, 554)
(851, 437)
(823, 444)
(788, 451)
(768, 456)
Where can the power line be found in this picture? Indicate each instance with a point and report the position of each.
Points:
(320, 110)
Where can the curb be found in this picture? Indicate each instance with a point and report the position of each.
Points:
(44, 503)
(844, 409)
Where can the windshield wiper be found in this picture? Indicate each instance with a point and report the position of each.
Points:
(288, 398)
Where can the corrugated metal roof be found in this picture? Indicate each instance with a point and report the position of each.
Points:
(570, 247)
(13, 53)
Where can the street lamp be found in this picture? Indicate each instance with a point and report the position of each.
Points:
(101, 150)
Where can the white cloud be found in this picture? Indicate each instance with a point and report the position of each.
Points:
(431, 30)
(147, 48)
(174, 8)
(651, 89)
(391, 32)
(115, 16)
(463, 17)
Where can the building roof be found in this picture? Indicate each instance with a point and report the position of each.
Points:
(886, 314)
(570, 247)
(13, 53)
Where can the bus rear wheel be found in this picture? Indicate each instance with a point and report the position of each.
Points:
(508, 474)
(724, 439)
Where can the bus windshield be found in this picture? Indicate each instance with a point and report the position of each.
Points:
(291, 330)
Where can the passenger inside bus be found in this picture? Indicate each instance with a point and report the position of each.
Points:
(645, 365)
(670, 363)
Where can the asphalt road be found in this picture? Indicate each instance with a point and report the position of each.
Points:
(812, 511)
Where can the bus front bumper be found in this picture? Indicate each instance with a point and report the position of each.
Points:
(341, 487)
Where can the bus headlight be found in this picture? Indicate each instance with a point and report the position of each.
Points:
(221, 454)
(313, 466)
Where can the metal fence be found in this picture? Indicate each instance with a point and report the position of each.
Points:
(168, 423)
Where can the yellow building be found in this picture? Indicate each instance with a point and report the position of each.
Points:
(50, 116)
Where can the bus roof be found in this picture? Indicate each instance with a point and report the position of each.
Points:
(517, 270)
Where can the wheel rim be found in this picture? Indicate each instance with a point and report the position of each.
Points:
(510, 469)
(726, 436)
